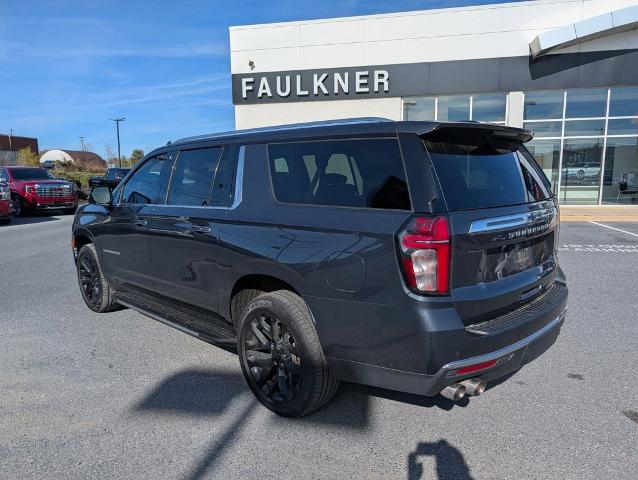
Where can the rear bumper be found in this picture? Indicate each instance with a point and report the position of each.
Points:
(508, 359)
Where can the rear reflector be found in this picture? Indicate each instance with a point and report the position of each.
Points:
(476, 367)
(425, 254)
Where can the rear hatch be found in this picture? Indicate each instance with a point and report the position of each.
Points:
(503, 219)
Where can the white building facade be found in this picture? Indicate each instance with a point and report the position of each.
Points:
(567, 69)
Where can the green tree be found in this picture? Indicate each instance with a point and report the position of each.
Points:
(28, 157)
(136, 155)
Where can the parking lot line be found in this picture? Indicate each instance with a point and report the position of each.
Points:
(614, 228)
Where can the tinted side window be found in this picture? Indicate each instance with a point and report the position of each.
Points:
(350, 173)
(144, 185)
(223, 186)
(192, 180)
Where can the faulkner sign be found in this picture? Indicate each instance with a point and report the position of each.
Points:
(568, 70)
(304, 85)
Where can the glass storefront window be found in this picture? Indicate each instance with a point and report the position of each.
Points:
(545, 129)
(624, 102)
(620, 180)
(622, 126)
(571, 129)
(419, 108)
(542, 105)
(453, 108)
(489, 107)
(586, 103)
(580, 173)
(485, 107)
(547, 154)
(584, 128)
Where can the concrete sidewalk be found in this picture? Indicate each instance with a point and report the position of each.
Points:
(573, 213)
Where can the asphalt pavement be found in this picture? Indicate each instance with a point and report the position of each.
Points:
(118, 395)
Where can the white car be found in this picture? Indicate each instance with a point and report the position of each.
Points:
(582, 170)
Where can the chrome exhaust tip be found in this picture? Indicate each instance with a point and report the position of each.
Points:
(474, 386)
(454, 392)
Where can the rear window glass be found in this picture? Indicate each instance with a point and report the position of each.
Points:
(349, 173)
(482, 172)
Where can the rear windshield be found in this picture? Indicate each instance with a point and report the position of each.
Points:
(483, 172)
(31, 174)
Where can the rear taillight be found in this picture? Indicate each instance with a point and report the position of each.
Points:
(425, 254)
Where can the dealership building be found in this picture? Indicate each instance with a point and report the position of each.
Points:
(566, 69)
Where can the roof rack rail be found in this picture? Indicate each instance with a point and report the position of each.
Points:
(277, 128)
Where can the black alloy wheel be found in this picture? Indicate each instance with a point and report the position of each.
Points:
(96, 291)
(273, 358)
(281, 356)
(89, 277)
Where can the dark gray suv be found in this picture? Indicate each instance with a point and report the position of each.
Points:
(414, 256)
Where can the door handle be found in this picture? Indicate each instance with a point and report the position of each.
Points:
(200, 229)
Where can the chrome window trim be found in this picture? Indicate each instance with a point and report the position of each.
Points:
(239, 181)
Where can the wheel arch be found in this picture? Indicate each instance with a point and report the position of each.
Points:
(81, 237)
(250, 285)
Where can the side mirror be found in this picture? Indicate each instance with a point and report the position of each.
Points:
(101, 196)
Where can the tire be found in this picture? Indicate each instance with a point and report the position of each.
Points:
(69, 211)
(289, 376)
(5, 221)
(18, 208)
(95, 290)
(580, 174)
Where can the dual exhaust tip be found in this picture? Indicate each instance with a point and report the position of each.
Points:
(457, 391)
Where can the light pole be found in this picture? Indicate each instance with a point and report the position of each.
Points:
(81, 143)
(117, 127)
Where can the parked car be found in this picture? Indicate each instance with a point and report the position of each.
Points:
(6, 207)
(111, 178)
(581, 171)
(35, 188)
(414, 256)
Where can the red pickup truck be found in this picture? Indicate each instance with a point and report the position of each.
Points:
(35, 188)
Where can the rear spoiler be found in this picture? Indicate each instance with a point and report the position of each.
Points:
(433, 130)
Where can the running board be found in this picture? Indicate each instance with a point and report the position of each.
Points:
(200, 325)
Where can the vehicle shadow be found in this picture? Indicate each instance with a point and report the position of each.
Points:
(449, 461)
(28, 219)
(208, 393)
(195, 392)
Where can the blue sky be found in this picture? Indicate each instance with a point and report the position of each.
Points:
(67, 67)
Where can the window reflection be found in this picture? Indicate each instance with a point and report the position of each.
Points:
(418, 108)
(623, 126)
(547, 154)
(584, 128)
(624, 102)
(586, 103)
(545, 129)
(489, 107)
(580, 173)
(543, 105)
(620, 180)
(453, 108)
